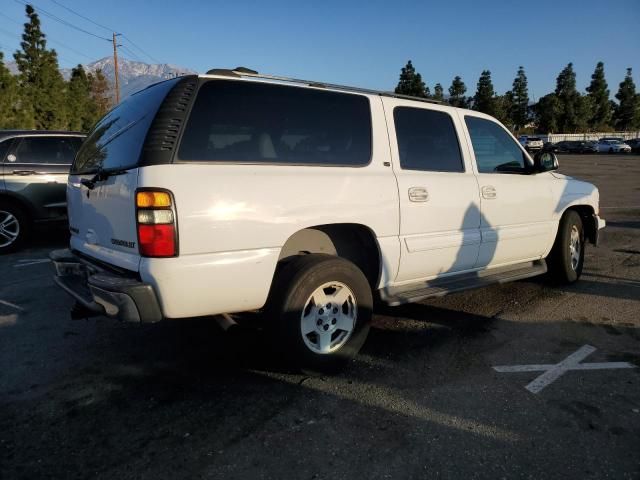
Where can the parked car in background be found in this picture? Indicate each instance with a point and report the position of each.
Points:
(549, 147)
(634, 144)
(231, 192)
(612, 145)
(33, 181)
(531, 143)
(575, 146)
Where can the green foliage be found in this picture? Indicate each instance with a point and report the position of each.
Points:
(484, 100)
(503, 106)
(598, 93)
(456, 93)
(568, 100)
(547, 112)
(627, 115)
(519, 110)
(411, 83)
(438, 93)
(100, 94)
(39, 98)
(42, 85)
(9, 100)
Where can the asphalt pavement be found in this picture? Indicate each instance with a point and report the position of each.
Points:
(184, 399)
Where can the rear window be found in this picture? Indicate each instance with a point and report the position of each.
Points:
(534, 139)
(117, 139)
(235, 121)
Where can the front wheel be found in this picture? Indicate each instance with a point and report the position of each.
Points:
(321, 307)
(566, 259)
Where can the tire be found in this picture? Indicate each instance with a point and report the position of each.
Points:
(307, 332)
(566, 259)
(14, 227)
(611, 150)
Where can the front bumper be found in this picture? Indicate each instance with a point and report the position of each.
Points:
(98, 291)
(599, 223)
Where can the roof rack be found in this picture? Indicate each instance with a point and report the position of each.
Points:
(243, 72)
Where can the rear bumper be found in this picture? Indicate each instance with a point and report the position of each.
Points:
(102, 292)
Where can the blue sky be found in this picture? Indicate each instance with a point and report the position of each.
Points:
(363, 43)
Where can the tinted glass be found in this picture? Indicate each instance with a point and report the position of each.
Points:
(117, 139)
(51, 150)
(495, 150)
(264, 123)
(4, 148)
(427, 140)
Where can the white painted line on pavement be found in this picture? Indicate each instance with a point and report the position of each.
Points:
(12, 305)
(27, 263)
(554, 371)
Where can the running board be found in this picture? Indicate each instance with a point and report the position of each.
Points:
(439, 287)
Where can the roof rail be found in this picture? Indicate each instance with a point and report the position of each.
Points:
(240, 72)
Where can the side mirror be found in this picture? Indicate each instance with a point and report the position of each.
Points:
(545, 161)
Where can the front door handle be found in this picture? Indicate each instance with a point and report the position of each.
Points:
(24, 172)
(418, 194)
(489, 192)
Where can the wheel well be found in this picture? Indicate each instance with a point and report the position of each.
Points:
(352, 241)
(24, 205)
(586, 214)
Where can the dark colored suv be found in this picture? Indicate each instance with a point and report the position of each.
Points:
(34, 166)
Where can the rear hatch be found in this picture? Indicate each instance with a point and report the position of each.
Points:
(104, 176)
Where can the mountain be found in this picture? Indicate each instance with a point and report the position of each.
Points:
(133, 75)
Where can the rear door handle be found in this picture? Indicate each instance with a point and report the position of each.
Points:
(24, 172)
(418, 194)
(489, 192)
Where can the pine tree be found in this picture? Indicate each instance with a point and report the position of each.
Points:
(546, 113)
(598, 93)
(628, 112)
(42, 85)
(519, 111)
(456, 93)
(411, 83)
(503, 107)
(568, 98)
(484, 100)
(100, 93)
(79, 101)
(438, 93)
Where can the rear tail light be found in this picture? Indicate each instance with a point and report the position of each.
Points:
(156, 222)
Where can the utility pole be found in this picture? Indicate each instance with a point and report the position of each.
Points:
(115, 66)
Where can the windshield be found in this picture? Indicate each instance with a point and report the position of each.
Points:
(116, 140)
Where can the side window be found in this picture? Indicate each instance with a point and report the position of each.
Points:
(495, 150)
(4, 148)
(48, 150)
(233, 121)
(427, 140)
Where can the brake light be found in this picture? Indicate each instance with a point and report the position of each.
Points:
(155, 218)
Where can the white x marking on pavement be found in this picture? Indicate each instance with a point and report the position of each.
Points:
(554, 371)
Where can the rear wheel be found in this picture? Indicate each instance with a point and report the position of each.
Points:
(321, 307)
(14, 226)
(566, 259)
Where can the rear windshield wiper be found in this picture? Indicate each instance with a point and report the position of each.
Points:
(100, 176)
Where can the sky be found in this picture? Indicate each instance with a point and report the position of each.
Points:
(360, 43)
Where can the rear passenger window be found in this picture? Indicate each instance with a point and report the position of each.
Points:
(51, 150)
(495, 150)
(4, 148)
(427, 140)
(235, 121)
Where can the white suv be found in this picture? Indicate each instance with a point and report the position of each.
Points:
(232, 192)
(531, 143)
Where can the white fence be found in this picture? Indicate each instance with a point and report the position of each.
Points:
(559, 137)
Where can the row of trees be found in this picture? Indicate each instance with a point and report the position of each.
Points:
(566, 110)
(39, 97)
